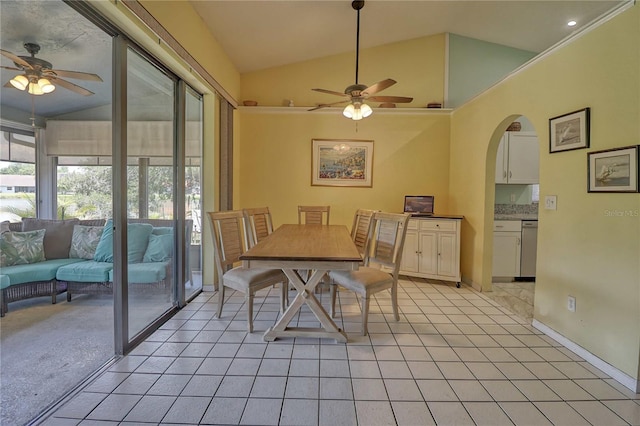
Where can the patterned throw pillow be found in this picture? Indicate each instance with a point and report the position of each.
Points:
(84, 241)
(19, 248)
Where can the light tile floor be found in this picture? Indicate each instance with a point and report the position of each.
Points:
(455, 357)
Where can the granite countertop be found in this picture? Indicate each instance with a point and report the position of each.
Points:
(516, 216)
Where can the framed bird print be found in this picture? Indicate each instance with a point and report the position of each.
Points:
(569, 131)
(614, 170)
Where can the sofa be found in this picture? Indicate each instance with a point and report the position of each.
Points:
(48, 257)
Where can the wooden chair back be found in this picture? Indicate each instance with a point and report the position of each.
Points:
(259, 223)
(313, 215)
(360, 229)
(229, 238)
(386, 240)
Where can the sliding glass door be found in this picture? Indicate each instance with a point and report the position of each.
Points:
(151, 259)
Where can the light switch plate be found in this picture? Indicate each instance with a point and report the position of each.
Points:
(550, 202)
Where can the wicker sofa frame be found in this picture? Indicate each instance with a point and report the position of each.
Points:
(106, 287)
(29, 290)
(52, 288)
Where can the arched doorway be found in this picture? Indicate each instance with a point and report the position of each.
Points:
(515, 200)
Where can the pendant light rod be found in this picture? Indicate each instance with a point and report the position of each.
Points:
(357, 5)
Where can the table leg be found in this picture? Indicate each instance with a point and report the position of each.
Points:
(305, 296)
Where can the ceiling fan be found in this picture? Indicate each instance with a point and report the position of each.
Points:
(356, 94)
(39, 77)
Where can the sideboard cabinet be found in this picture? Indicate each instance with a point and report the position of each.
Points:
(432, 248)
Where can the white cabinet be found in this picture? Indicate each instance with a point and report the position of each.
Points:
(517, 160)
(432, 249)
(506, 248)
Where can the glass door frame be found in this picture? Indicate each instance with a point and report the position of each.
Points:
(123, 342)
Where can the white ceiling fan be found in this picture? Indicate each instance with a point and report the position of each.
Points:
(357, 94)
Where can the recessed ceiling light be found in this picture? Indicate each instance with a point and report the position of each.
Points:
(571, 23)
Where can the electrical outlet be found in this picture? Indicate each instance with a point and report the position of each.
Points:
(513, 198)
(550, 202)
(571, 304)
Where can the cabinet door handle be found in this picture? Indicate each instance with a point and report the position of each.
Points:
(518, 241)
(510, 174)
(504, 174)
(499, 226)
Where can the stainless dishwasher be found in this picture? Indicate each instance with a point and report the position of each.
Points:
(528, 248)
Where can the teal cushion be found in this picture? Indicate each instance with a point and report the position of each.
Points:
(41, 271)
(88, 271)
(162, 230)
(84, 241)
(104, 249)
(137, 240)
(19, 248)
(4, 281)
(159, 249)
(145, 273)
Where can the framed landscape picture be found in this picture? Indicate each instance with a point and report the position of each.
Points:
(569, 131)
(614, 170)
(341, 162)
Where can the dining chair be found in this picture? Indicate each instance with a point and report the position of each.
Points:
(313, 215)
(259, 222)
(231, 239)
(360, 228)
(383, 249)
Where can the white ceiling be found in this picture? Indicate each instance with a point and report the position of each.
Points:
(258, 34)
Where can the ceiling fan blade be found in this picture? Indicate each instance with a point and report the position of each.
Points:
(379, 86)
(394, 99)
(15, 58)
(327, 105)
(70, 86)
(10, 68)
(75, 74)
(330, 92)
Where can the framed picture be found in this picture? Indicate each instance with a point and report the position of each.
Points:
(569, 131)
(340, 162)
(614, 170)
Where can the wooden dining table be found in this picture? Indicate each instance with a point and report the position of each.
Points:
(297, 249)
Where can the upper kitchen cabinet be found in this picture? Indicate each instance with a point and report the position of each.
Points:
(518, 158)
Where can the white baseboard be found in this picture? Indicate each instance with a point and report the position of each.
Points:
(619, 376)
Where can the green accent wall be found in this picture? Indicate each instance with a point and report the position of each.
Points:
(475, 65)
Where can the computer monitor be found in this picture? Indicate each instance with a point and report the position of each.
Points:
(419, 205)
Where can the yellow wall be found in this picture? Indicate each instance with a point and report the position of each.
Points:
(582, 251)
(186, 26)
(411, 156)
(417, 66)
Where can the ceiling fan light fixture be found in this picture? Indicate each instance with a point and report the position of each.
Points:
(349, 111)
(366, 110)
(46, 86)
(34, 89)
(20, 82)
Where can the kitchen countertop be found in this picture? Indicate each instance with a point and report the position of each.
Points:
(515, 216)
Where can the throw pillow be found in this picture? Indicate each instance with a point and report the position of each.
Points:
(57, 238)
(84, 241)
(104, 250)
(162, 230)
(19, 248)
(137, 240)
(160, 248)
(4, 227)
